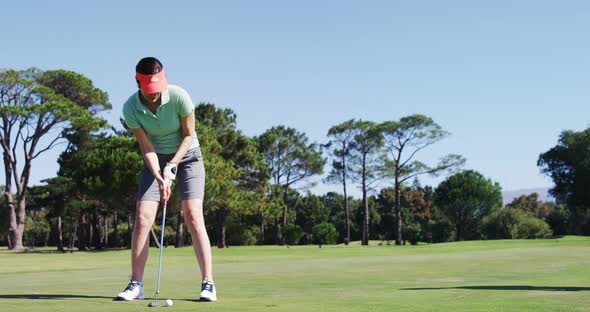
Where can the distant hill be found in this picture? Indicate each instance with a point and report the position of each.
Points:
(543, 192)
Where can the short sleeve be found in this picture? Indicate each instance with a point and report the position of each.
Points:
(185, 104)
(129, 116)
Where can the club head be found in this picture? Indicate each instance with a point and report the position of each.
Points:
(153, 304)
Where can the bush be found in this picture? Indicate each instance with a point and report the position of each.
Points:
(251, 235)
(36, 230)
(293, 234)
(237, 235)
(510, 223)
(411, 232)
(440, 231)
(324, 234)
(531, 227)
(123, 236)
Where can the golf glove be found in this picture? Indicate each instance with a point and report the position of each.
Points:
(170, 172)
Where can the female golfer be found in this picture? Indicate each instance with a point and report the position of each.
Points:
(162, 118)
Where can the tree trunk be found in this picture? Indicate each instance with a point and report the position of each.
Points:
(262, 220)
(285, 214)
(8, 198)
(83, 236)
(347, 221)
(46, 242)
(155, 238)
(398, 213)
(12, 225)
(73, 236)
(115, 242)
(90, 232)
(17, 224)
(277, 230)
(129, 230)
(105, 232)
(98, 234)
(180, 230)
(221, 218)
(365, 217)
(60, 241)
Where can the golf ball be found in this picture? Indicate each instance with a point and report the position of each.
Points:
(168, 303)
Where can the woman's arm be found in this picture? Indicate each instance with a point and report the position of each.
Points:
(188, 136)
(151, 158)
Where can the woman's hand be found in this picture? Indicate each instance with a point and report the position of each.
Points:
(164, 189)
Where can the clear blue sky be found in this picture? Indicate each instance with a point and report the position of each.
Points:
(504, 77)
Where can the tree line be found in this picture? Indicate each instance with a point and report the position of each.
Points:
(257, 188)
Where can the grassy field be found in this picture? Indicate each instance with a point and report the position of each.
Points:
(536, 275)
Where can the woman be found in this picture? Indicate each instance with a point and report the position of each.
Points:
(162, 118)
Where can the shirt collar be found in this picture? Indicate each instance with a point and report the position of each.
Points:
(141, 107)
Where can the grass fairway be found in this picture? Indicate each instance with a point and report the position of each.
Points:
(535, 275)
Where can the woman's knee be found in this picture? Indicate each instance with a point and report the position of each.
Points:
(144, 217)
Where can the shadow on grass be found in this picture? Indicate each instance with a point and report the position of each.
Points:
(51, 296)
(511, 287)
(69, 296)
(55, 251)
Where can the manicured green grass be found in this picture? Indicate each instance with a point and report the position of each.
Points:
(534, 275)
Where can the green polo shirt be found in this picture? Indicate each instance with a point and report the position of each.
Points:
(163, 128)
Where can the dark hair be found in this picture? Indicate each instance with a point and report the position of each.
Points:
(149, 66)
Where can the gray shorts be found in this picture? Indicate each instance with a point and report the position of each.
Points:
(190, 177)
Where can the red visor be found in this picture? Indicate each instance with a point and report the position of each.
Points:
(152, 83)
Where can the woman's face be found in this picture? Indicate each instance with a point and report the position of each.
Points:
(151, 98)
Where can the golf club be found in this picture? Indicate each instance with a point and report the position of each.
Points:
(155, 302)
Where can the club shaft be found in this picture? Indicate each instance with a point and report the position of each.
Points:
(161, 245)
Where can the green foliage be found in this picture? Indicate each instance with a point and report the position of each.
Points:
(291, 159)
(532, 205)
(412, 232)
(404, 139)
(465, 198)
(440, 231)
(293, 234)
(339, 147)
(36, 229)
(109, 169)
(324, 234)
(531, 227)
(513, 224)
(411, 134)
(122, 237)
(568, 165)
(38, 110)
(366, 157)
(558, 219)
(289, 155)
(237, 176)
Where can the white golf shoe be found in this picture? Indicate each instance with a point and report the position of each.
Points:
(208, 292)
(133, 291)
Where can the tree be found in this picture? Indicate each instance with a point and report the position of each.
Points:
(366, 164)
(291, 159)
(324, 234)
(404, 139)
(417, 211)
(106, 171)
(237, 175)
(340, 145)
(568, 165)
(514, 224)
(34, 105)
(55, 195)
(465, 198)
(531, 205)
